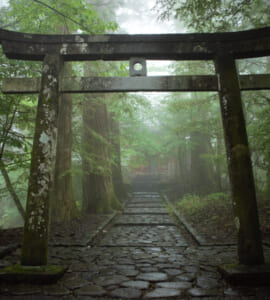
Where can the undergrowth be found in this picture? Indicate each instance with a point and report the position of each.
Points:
(212, 215)
(193, 204)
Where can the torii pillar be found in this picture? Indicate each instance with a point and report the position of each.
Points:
(250, 251)
(36, 227)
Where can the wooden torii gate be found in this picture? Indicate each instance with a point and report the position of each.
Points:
(222, 48)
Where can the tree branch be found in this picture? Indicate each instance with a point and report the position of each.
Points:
(61, 14)
(6, 132)
(11, 189)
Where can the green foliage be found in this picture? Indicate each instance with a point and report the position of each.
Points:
(193, 204)
(17, 114)
(217, 197)
(216, 15)
(258, 126)
(9, 215)
(189, 112)
(140, 132)
(45, 16)
(167, 132)
(140, 136)
(190, 203)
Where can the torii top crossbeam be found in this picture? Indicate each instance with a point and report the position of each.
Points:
(196, 46)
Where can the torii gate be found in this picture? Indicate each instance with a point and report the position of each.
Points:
(222, 48)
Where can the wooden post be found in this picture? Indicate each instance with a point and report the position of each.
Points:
(250, 251)
(36, 227)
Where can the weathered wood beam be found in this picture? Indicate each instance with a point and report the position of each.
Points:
(197, 46)
(254, 82)
(21, 85)
(134, 84)
(8, 35)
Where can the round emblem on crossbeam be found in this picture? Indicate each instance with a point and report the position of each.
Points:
(137, 66)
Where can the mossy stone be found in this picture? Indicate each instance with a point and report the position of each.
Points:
(33, 274)
(246, 274)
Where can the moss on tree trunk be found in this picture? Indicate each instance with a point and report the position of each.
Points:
(98, 191)
(267, 186)
(116, 167)
(63, 203)
(201, 170)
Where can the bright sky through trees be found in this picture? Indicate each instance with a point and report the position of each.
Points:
(141, 19)
(3, 3)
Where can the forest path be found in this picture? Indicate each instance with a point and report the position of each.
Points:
(146, 255)
(143, 254)
(145, 223)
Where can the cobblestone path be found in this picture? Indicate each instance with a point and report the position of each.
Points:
(143, 255)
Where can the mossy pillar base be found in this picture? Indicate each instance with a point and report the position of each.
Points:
(256, 275)
(250, 251)
(36, 227)
(32, 274)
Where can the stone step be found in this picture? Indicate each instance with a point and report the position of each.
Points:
(144, 219)
(145, 205)
(142, 210)
(155, 235)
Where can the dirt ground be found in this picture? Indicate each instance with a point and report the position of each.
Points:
(67, 233)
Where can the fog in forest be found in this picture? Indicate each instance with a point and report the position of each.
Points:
(110, 145)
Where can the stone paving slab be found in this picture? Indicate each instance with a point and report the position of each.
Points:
(107, 275)
(146, 205)
(144, 219)
(145, 194)
(149, 265)
(144, 235)
(4, 250)
(143, 210)
(146, 197)
(146, 201)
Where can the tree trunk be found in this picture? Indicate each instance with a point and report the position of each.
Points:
(182, 183)
(63, 204)
(200, 170)
(116, 166)
(218, 164)
(98, 192)
(267, 187)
